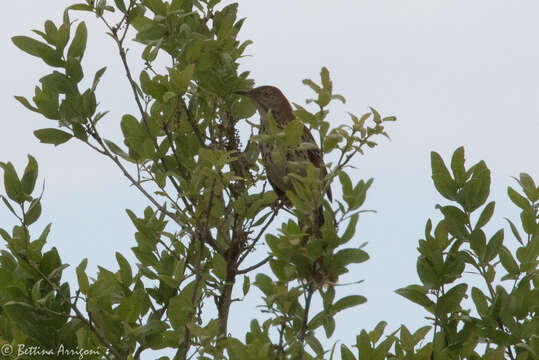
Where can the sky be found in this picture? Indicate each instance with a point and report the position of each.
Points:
(455, 73)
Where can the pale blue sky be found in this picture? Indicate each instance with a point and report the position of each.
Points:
(453, 72)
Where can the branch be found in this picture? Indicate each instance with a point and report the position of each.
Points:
(250, 247)
(255, 266)
(310, 292)
(196, 130)
(93, 132)
(123, 56)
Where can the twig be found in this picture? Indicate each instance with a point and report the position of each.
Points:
(255, 266)
(123, 56)
(257, 238)
(93, 132)
(310, 292)
(196, 130)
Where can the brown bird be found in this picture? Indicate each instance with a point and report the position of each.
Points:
(278, 165)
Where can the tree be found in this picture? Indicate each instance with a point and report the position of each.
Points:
(209, 208)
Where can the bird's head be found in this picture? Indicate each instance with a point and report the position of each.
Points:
(267, 97)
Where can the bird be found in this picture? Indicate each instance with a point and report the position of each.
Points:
(269, 99)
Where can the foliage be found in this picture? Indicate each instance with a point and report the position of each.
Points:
(209, 209)
(209, 205)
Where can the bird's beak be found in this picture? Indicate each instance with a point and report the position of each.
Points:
(242, 93)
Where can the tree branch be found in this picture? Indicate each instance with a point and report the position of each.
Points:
(257, 238)
(310, 292)
(93, 132)
(255, 266)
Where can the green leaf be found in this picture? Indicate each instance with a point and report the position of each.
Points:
(456, 220)
(363, 343)
(475, 192)
(100, 8)
(80, 7)
(52, 136)
(120, 5)
(89, 103)
(416, 294)
(528, 221)
(51, 32)
(442, 179)
(293, 133)
(47, 102)
(350, 229)
(326, 81)
(43, 237)
(63, 35)
(116, 149)
(152, 86)
(480, 301)
(346, 354)
(518, 199)
(74, 70)
(515, 232)
(97, 77)
(243, 108)
(406, 338)
(457, 165)
(182, 306)
(50, 261)
(348, 301)
(450, 301)
(12, 184)
(33, 213)
(378, 331)
(58, 83)
(360, 193)
(340, 98)
(375, 115)
(331, 141)
(346, 184)
(126, 274)
(236, 349)
(246, 285)
(36, 48)
(156, 6)
(26, 104)
(428, 274)
(493, 245)
(312, 85)
(328, 297)
(314, 344)
(10, 208)
(180, 79)
(420, 334)
(29, 177)
(36, 292)
(478, 241)
(529, 187)
(82, 278)
(264, 283)
(349, 256)
(485, 216)
(98, 116)
(507, 260)
(79, 132)
(219, 266)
